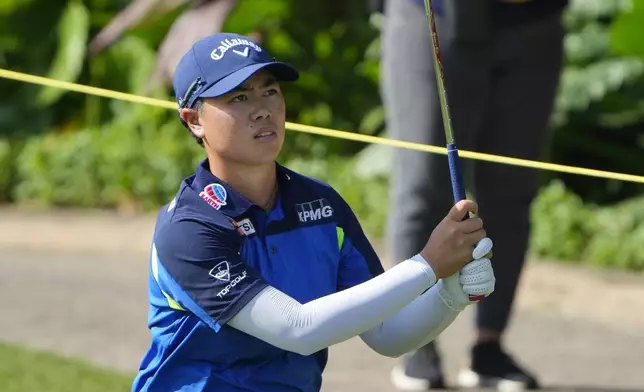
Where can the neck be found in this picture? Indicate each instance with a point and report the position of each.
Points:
(257, 183)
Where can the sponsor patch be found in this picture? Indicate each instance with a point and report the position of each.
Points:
(221, 271)
(215, 195)
(245, 227)
(314, 210)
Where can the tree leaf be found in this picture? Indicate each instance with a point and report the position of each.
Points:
(580, 12)
(373, 120)
(68, 61)
(7, 7)
(133, 60)
(375, 160)
(590, 43)
(581, 86)
(626, 32)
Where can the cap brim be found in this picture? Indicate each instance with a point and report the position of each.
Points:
(283, 72)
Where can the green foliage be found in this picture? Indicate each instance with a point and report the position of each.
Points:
(128, 63)
(42, 163)
(584, 86)
(564, 228)
(6, 169)
(626, 32)
(130, 163)
(561, 225)
(9, 6)
(251, 14)
(68, 62)
(618, 239)
(583, 11)
(599, 110)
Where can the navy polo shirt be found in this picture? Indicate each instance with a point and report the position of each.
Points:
(213, 250)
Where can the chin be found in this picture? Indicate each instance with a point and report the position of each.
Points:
(268, 152)
(264, 155)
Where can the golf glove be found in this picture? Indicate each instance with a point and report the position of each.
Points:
(476, 278)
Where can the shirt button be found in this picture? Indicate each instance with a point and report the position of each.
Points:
(273, 249)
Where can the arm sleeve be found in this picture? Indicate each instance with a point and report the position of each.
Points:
(280, 320)
(414, 326)
(420, 321)
(198, 266)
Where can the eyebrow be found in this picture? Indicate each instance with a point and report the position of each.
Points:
(268, 82)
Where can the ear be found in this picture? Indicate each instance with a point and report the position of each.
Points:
(191, 118)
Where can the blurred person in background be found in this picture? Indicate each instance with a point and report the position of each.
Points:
(502, 61)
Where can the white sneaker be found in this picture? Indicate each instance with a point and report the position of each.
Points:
(403, 382)
(469, 379)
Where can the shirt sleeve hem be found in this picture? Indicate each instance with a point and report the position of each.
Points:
(249, 293)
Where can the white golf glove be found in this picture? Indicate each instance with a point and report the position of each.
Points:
(476, 278)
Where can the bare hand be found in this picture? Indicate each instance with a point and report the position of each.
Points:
(451, 243)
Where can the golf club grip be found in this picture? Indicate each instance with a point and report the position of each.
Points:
(457, 187)
(455, 173)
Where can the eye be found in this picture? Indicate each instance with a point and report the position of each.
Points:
(272, 91)
(239, 98)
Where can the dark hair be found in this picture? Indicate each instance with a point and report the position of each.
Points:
(198, 106)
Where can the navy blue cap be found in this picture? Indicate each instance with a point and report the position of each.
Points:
(217, 64)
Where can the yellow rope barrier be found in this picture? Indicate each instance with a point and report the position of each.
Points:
(27, 78)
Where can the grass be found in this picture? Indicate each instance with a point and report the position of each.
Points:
(25, 370)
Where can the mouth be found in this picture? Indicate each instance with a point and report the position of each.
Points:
(265, 135)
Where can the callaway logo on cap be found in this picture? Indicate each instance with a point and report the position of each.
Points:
(217, 64)
(219, 52)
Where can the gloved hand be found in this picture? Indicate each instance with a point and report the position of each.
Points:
(476, 278)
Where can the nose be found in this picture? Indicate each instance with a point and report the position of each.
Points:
(261, 113)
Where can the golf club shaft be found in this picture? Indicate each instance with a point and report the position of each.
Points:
(458, 189)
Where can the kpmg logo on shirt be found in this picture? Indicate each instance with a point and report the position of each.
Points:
(314, 210)
(215, 195)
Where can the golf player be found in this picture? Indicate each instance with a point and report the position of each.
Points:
(255, 270)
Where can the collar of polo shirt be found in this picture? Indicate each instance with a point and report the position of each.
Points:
(224, 198)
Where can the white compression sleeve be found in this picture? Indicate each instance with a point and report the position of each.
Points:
(280, 320)
(414, 326)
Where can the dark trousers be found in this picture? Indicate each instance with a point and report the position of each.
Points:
(501, 84)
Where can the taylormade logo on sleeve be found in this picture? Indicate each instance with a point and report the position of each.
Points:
(219, 52)
(314, 210)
